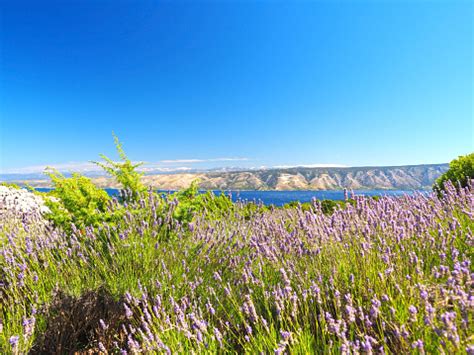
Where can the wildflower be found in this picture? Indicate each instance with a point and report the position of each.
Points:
(102, 347)
(128, 311)
(413, 312)
(210, 308)
(280, 349)
(14, 341)
(375, 309)
(470, 349)
(29, 325)
(133, 345)
(418, 344)
(218, 335)
(367, 344)
(199, 336)
(217, 276)
(344, 349)
(102, 324)
(285, 335)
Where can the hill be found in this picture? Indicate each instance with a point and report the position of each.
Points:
(297, 178)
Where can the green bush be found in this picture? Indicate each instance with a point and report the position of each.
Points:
(327, 206)
(305, 206)
(460, 171)
(251, 209)
(10, 184)
(76, 200)
(190, 201)
(124, 172)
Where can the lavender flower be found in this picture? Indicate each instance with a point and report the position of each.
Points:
(128, 311)
(14, 341)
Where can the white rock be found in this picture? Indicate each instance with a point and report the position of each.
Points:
(21, 200)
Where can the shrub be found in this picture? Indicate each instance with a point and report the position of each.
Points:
(305, 206)
(76, 200)
(190, 201)
(10, 184)
(124, 172)
(327, 206)
(80, 202)
(460, 171)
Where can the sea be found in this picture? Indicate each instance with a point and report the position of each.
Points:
(279, 198)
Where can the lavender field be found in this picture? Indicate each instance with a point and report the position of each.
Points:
(392, 275)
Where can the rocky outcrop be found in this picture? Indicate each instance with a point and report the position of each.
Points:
(20, 200)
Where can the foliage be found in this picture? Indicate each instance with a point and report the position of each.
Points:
(76, 200)
(190, 201)
(9, 184)
(80, 202)
(461, 171)
(391, 275)
(124, 172)
(249, 210)
(327, 206)
(305, 206)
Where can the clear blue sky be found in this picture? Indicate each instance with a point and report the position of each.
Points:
(347, 82)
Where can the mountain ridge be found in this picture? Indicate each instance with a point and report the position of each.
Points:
(402, 177)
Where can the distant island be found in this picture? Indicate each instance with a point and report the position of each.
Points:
(408, 177)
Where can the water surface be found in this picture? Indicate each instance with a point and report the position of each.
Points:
(279, 198)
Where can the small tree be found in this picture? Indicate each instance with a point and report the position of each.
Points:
(76, 200)
(124, 171)
(461, 171)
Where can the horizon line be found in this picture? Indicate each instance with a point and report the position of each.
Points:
(89, 167)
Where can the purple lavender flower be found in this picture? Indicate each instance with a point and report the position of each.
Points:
(418, 344)
(102, 347)
(375, 309)
(218, 335)
(285, 335)
(128, 311)
(103, 325)
(351, 313)
(470, 349)
(413, 312)
(14, 341)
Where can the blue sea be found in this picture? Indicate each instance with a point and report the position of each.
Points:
(279, 198)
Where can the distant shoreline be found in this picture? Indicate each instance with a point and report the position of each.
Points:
(410, 177)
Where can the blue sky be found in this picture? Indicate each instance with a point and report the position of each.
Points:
(247, 83)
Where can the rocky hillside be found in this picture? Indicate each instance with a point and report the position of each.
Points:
(394, 177)
(299, 178)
